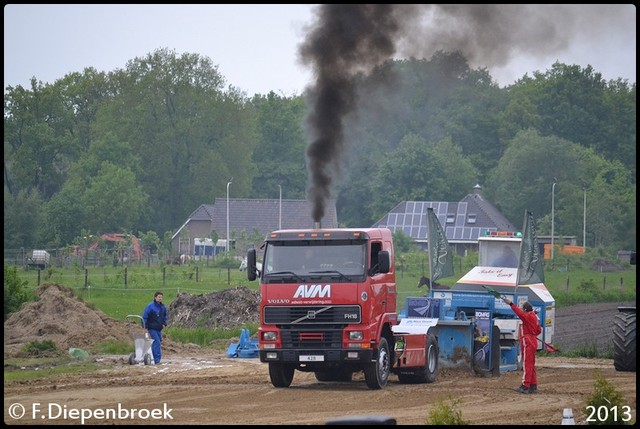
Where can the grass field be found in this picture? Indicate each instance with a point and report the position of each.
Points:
(119, 291)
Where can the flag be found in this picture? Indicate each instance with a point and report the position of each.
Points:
(530, 265)
(440, 256)
(492, 291)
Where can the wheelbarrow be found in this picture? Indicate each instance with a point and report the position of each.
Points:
(141, 340)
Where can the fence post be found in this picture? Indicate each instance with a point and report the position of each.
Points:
(567, 283)
(126, 279)
(86, 277)
(604, 283)
(38, 277)
(197, 274)
(621, 284)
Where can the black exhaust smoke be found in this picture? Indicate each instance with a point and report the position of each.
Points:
(346, 40)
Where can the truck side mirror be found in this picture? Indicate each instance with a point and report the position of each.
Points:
(384, 261)
(251, 264)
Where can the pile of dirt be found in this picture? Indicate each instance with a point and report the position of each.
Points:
(60, 317)
(226, 309)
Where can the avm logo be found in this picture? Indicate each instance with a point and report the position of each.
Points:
(313, 291)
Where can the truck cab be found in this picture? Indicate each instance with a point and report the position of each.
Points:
(328, 300)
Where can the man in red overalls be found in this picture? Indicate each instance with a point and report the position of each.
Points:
(529, 331)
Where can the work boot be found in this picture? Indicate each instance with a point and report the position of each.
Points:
(533, 389)
(522, 389)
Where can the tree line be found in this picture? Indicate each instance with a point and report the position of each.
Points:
(137, 149)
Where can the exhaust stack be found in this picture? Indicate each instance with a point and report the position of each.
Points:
(316, 225)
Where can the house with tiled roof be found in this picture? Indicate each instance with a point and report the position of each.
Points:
(250, 220)
(463, 221)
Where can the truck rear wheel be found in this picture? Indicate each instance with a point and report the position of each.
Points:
(624, 340)
(428, 373)
(281, 374)
(376, 374)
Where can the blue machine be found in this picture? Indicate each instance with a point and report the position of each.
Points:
(474, 329)
(246, 348)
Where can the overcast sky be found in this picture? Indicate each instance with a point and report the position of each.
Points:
(255, 46)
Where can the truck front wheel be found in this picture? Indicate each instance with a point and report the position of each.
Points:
(281, 374)
(376, 374)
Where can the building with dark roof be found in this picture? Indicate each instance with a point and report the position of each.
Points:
(463, 222)
(250, 220)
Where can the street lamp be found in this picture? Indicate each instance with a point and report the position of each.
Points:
(280, 209)
(584, 221)
(553, 188)
(227, 242)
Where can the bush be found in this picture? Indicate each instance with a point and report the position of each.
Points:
(446, 413)
(606, 406)
(14, 293)
(40, 348)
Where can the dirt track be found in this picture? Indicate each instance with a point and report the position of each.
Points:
(217, 390)
(206, 387)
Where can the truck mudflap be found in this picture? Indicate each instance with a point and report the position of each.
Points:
(318, 358)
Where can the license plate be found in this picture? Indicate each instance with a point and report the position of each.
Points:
(311, 358)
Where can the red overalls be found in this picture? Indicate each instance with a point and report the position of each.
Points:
(529, 330)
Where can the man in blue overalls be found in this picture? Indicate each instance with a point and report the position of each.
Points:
(155, 319)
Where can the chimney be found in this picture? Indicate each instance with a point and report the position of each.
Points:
(316, 225)
(477, 190)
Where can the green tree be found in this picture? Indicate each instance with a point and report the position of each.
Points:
(524, 176)
(281, 152)
(578, 105)
(21, 218)
(114, 200)
(14, 290)
(420, 171)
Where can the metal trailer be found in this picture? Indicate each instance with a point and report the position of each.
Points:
(473, 329)
(503, 280)
(141, 340)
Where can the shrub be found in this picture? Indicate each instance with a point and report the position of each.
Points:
(606, 406)
(40, 348)
(446, 413)
(14, 293)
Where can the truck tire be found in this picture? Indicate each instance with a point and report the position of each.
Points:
(428, 373)
(624, 339)
(281, 374)
(495, 351)
(376, 374)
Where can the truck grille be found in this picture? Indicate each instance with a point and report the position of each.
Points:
(312, 314)
(311, 339)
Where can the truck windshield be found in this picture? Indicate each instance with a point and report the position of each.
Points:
(342, 259)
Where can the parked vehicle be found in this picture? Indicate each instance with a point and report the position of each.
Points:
(39, 259)
(329, 306)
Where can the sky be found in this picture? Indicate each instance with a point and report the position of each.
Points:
(256, 46)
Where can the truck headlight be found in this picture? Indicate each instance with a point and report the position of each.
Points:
(356, 335)
(270, 336)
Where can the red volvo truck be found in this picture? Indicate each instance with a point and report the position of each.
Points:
(328, 306)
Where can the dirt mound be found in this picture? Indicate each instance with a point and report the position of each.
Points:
(62, 318)
(226, 309)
